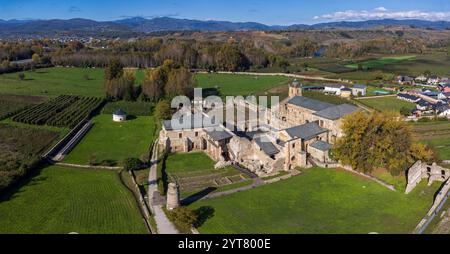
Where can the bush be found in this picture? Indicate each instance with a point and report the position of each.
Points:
(184, 218)
(132, 164)
(21, 76)
(405, 111)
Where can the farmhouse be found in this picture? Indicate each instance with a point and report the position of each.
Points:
(359, 90)
(306, 130)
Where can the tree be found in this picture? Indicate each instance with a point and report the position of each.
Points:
(163, 110)
(114, 70)
(230, 58)
(404, 111)
(132, 164)
(153, 84)
(378, 140)
(179, 82)
(36, 58)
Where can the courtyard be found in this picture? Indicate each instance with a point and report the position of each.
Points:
(317, 201)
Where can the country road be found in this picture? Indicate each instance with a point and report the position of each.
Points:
(164, 225)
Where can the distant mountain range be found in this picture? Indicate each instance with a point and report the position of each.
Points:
(137, 25)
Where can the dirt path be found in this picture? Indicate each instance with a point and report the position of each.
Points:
(164, 225)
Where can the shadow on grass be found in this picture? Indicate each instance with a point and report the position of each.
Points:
(197, 196)
(30, 179)
(203, 213)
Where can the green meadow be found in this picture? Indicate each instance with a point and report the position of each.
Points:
(63, 200)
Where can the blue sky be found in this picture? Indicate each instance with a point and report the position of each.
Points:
(270, 12)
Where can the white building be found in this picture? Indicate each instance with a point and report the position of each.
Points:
(119, 116)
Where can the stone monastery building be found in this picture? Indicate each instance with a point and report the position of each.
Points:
(306, 130)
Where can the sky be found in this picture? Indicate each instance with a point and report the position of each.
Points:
(270, 12)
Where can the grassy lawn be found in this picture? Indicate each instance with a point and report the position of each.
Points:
(318, 201)
(188, 162)
(56, 81)
(111, 141)
(61, 200)
(436, 134)
(195, 172)
(387, 104)
(233, 85)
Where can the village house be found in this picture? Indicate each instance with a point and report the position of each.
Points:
(359, 90)
(405, 80)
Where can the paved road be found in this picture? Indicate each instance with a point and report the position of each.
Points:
(163, 224)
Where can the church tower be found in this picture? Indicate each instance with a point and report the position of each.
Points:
(295, 89)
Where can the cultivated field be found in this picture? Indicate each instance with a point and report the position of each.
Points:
(234, 85)
(21, 149)
(63, 200)
(318, 201)
(380, 62)
(387, 104)
(436, 134)
(12, 104)
(110, 143)
(195, 172)
(63, 111)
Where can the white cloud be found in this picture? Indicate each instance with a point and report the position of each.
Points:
(383, 13)
(381, 9)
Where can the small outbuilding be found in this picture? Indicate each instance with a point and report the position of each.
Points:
(119, 116)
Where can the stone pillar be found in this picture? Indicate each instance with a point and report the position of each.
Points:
(302, 160)
(173, 196)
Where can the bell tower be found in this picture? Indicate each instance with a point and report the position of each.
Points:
(295, 89)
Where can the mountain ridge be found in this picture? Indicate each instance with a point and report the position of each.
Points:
(138, 25)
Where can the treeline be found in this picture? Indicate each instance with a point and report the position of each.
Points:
(375, 46)
(192, 54)
(164, 82)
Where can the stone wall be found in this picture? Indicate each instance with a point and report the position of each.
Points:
(421, 170)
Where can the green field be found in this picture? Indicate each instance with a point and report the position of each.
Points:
(234, 85)
(318, 201)
(188, 162)
(62, 200)
(387, 104)
(114, 142)
(380, 62)
(195, 172)
(436, 134)
(57, 81)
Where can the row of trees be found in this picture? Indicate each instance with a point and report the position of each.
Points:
(379, 140)
(163, 82)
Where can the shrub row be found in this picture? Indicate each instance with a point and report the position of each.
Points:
(63, 111)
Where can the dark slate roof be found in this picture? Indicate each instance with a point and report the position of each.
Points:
(306, 131)
(321, 145)
(195, 124)
(423, 103)
(309, 103)
(346, 89)
(358, 86)
(218, 133)
(408, 96)
(120, 112)
(266, 145)
(337, 112)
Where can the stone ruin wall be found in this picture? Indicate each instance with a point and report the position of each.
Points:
(421, 170)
